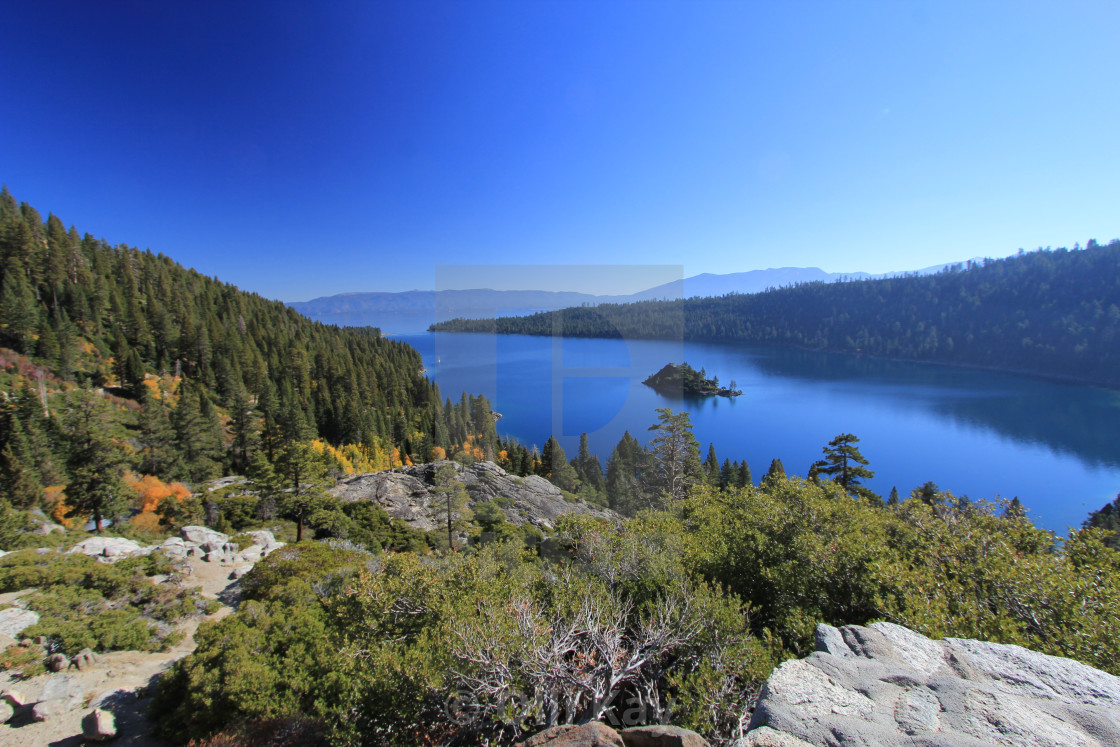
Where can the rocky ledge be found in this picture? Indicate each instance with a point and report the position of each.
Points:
(886, 685)
(408, 493)
(203, 542)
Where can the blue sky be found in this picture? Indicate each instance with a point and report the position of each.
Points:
(301, 149)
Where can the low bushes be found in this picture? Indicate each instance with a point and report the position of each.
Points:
(86, 604)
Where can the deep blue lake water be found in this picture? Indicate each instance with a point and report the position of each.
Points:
(985, 435)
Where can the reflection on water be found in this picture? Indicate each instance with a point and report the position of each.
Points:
(1072, 419)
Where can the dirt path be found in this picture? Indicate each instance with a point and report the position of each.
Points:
(119, 681)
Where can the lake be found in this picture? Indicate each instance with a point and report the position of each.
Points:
(1055, 446)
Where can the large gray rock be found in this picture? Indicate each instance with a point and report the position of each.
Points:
(594, 734)
(99, 725)
(176, 547)
(108, 548)
(408, 493)
(203, 536)
(887, 685)
(661, 735)
(60, 694)
(262, 538)
(13, 620)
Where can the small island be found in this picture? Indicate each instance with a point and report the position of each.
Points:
(690, 382)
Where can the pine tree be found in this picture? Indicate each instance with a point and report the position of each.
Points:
(711, 466)
(676, 454)
(555, 463)
(19, 312)
(626, 476)
(928, 493)
(743, 478)
(95, 462)
(589, 472)
(776, 472)
(197, 433)
(244, 425)
(451, 501)
(726, 474)
(159, 453)
(846, 465)
(20, 481)
(300, 468)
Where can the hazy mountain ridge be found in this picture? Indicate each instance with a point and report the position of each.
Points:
(358, 308)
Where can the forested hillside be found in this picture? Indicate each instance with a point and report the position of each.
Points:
(1054, 313)
(173, 374)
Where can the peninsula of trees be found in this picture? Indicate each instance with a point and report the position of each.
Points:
(685, 380)
(1052, 313)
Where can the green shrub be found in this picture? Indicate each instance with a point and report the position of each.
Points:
(84, 603)
(801, 553)
(403, 649)
(239, 511)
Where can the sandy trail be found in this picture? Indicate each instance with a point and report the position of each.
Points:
(120, 678)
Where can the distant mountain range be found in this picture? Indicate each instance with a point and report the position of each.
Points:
(413, 311)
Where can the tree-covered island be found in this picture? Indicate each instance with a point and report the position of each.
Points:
(690, 382)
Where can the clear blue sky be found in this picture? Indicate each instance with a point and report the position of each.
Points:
(305, 149)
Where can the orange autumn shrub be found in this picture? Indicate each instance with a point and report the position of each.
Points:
(54, 499)
(150, 490)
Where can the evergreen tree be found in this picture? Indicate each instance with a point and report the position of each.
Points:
(159, 452)
(776, 472)
(244, 427)
(676, 454)
(928, 493)
(19, 312)
(1107, 518)
(587, 467)
(300, 467)
(11, 522)
(846, 465)
(197, 433)
(554, 462)
(20, 481)
(268, 485)
(626, 476)
(727, 474)
(711, 466)
(743, 479)
(451, 501)
(893, 499)
(95, 462)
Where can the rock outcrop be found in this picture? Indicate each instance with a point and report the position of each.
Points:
(408, 493)
(194, 541)
(597, 734)
(887, 685)
(61, 693)
(109, 548)
(14, 620)
(570, 735)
